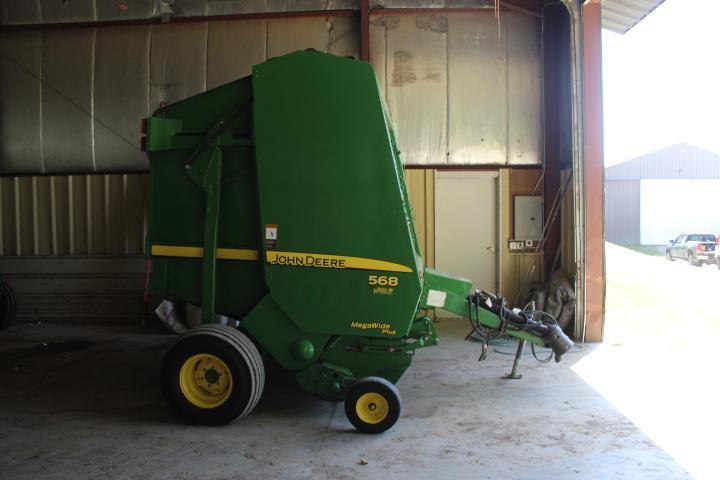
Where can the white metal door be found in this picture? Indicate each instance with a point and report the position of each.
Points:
(466, 227)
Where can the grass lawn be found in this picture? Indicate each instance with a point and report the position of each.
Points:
(652, 250)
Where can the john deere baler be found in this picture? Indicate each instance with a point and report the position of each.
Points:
(279, 200)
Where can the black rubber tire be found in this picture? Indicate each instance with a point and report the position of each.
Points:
(669, 256)
(379, 386)
(241, 357)
(691, 259)
(8, 305)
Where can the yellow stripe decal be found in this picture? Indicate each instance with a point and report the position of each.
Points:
(295, 259)
(197, 252)
(319, 260)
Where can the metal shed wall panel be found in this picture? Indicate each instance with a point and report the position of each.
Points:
(417, 85)
(478, 116)
(336, 35)
(233, 49)
(26, 11)
(524, 84)
(419, 57)
(73, 215)
(20, 119)
(67, 103)
(108, 11)
(622, 211)
(446, 83)
(229, 7)
(177, 62)
(678, 161)
(68, 11)
(120, 95)
(98, 83)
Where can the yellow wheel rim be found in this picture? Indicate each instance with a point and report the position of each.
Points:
(205, 380)
(372, 408)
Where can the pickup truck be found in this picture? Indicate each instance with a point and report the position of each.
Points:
(696, 248)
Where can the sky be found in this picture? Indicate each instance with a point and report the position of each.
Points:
(661, 81)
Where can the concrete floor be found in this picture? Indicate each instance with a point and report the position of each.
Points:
(86, 404)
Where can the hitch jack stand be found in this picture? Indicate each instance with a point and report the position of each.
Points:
(513, 375)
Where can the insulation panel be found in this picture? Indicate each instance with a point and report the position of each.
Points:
(120, 96)
(416, 83)
(20, 119)
(478, 89)
(67, 108)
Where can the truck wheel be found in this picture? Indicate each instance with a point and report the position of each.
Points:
(213, 375)
(668, 256)
(8, 305)
(373, 405)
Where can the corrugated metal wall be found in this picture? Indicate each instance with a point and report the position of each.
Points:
(622, 211)
(73, 215)
(678, 161)
(421, 188)
(107, 214)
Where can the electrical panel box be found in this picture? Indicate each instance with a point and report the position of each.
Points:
(528, 217)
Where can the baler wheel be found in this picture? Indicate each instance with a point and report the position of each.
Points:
(373, 405)
(213, 375)
(8, 305)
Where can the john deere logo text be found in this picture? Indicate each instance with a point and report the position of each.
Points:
(306, 260)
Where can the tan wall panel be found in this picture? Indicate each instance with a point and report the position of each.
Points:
(421, 189)
(7, 216)
(42, 216)
(24, 216)
(518, 270)
(77, 215)
(61, 215)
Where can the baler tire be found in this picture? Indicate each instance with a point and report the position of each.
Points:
(225, 350)
(373, 405)
(8, 305)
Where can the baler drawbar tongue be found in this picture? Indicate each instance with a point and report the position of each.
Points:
(513, 321)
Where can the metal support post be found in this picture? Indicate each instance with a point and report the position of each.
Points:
(513, 375)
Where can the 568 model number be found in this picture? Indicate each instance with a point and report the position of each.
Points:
(383, 280)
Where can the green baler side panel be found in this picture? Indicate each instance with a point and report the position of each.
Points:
(331, 180)
(177, 206)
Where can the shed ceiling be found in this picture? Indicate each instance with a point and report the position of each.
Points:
(621, 15)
